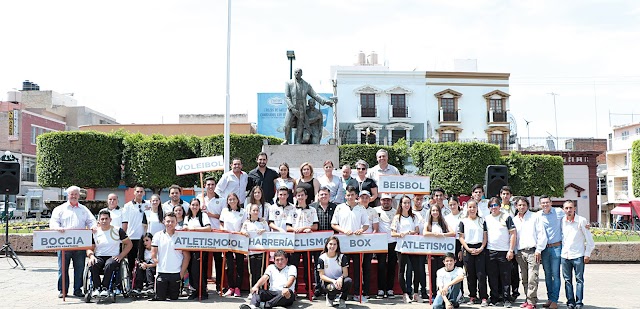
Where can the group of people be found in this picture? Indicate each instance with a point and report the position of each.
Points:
(494, 237)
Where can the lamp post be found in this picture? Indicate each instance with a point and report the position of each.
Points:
(601, 174)
(291, 55)
(555, 112)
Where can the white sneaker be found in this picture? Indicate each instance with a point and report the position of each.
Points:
(342, 304)
(380, 294)
(329, 301)
(95, 293)
(406, 298)
(390, 294)
(417, 298)
(104, 293)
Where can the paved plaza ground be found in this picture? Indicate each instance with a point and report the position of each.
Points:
(606, 286)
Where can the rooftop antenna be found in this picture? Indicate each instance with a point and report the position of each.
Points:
(528, 135)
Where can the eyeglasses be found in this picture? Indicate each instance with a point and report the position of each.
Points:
(494, 205)
(361, 168)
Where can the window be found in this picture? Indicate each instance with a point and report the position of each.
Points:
(625, 135)
(397, 134)
(498, 139)
(368, 137)
(449, 112)
(35, 132)
(29, 169)
(602, 184)
(399, 106)
(625, 185)
(367, 105)
(637, 131)
(448, 137)
(499, 115)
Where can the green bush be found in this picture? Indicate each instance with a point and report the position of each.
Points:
(454, 166)
(82, 158)
(635, 167)
(349, 154)
(535, 174)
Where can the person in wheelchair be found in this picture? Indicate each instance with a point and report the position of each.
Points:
(145, 269)
(106, 254)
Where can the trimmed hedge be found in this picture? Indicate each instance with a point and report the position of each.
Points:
(535, 174)
(349, 154)
(245, 147)
(89, 159)
(453, 166)
(635, 167)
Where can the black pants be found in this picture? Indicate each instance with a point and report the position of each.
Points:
(408, 262)
(168, 286)
(437, 262)
(331, 290)
(366, 272)
(387, 268)
(459, 262)
(217, 263)
(476, 267)
(110, 266)
(515, 277)
(197, 281)
(499, 271)
(272, 299)
(420, 275)
(318, 281)
(256, 267)
(295, 261)
(144, 278)
(133, 255)
(235, 263)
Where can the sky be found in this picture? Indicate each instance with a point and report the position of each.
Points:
(148, 61)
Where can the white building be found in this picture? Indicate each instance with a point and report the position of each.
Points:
(379, 106)
(619, 176)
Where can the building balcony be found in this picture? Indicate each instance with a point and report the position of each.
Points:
(622, 143)
(368, 114)
(399, 113)
(449, 117)
(494, 117)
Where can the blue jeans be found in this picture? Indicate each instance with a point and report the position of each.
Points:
(568, 266)
(452, 295)
(551, 265)
(78, 257)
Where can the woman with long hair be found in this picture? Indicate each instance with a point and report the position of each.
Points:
(196, 221)
(333, 268)
(155, 215)
(405, 222)
(231, 220)
(334, 183)
(179, 211)
(256, 197)
(308, 182)
(285, 180)
(255, 224)
(436, 226)
(146, 270)
(473, 238)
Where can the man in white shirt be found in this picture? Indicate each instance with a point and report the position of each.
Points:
(134, 221)
(282, 283)
(280, 211)
(114, 210)
(449, 284)
(531, 239)
(171, 263)
(383, 167)
(477, 193)
(212, 206)
(175, 199)
(577, 244)
(71, 215)
(386, 261)
(233, 181)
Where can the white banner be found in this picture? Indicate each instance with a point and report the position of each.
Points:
(398, 184)
(67, 240)
(205, 241)
(365, 243)
(271, 241)
(238, 243)
(312, 241)
(199, 165)
(424, 245)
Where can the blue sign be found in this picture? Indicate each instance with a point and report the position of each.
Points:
(272, 109)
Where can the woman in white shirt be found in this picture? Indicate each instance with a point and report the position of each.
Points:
(334, 183)
(179, 211)
(473, 238)
(154, 215)
(256, 197)
(197, 221)
(405, 222)
(231, 220)
(436, 226)
(285, 180)
(333, 269)
(256, 259)
(453, 220)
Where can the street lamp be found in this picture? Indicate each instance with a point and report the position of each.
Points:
(601, 174)
(555, 112)
(291, 56)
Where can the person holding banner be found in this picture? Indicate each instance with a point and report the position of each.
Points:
(373, 219)
(231, 221)
(453, 221)
(282, 282)
(449, 282)
(351, 219)
(325, 210)
(333, 183)
(279, 212)
(420, 277)
(333, 268)
(386, 261)
(473, 238)
(255, 224)
(501, 242)
(438, 227)
(303, 220)
(171, 263)
(405, 222)
(106, 254)
(257, 197)
(198, 268)
(212, 206)
(285, 180)
(71, 215)
(134, 221)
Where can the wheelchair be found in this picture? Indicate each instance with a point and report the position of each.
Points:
(144, 293)
(120, 281)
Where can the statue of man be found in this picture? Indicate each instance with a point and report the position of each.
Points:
(296, 92)
(314, 121)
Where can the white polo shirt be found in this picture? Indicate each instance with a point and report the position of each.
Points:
(444, 277)
(154, 224)
(303, 217)
(232, 219)
(498, 228)
(169, 259)
(473, 230)
(133, 215)
(332, 266)
(194, 222)
(350, 219)
(402, 224)
(384, 222)
(372, 217)
(108, 242)
(279, 277)
(215, 206)
(278, 215)
(116, 216)
(167, 206)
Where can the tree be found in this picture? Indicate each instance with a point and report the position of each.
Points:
(635, 167)
(535, 175)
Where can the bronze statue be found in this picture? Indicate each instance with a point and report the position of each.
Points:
(296, 92)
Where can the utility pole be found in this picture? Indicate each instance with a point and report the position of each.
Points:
(555, 112)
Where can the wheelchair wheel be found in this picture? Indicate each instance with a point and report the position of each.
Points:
(126, 280)
(86, 284)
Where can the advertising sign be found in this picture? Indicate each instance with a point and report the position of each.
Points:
(49, 240)
(397, 184)
(423, 245)
(272, 109)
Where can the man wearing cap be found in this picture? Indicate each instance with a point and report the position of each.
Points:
(351, 218)
(386, 261)
(373, 219)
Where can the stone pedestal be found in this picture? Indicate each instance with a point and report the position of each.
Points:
(295, 155)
